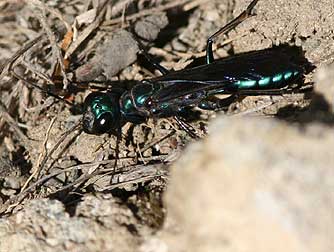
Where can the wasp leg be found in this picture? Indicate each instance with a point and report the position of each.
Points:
(118, 141)
(228, 27)
(152, 61)
(186, 127)
(214, 103)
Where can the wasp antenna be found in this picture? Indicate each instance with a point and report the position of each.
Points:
(40, 88)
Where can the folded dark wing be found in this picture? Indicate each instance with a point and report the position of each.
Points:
(225, 75)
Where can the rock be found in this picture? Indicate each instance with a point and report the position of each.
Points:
(120, 49)
(253, 185)
(324, 85)
(44, 225)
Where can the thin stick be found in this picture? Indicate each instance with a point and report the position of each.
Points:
(157, 141)
(41, 15)
(87, 32)
(7, 66)
(146, 12)
(61, 139)
(10, 120)
(37, 169)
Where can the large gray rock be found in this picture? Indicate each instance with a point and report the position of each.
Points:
(253, 185)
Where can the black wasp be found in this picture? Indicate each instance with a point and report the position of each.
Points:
(167, 95)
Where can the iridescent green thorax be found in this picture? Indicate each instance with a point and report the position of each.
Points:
(135, 104)
(142, 92)
(128, 109)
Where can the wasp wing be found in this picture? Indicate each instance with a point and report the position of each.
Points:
(223, 75)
